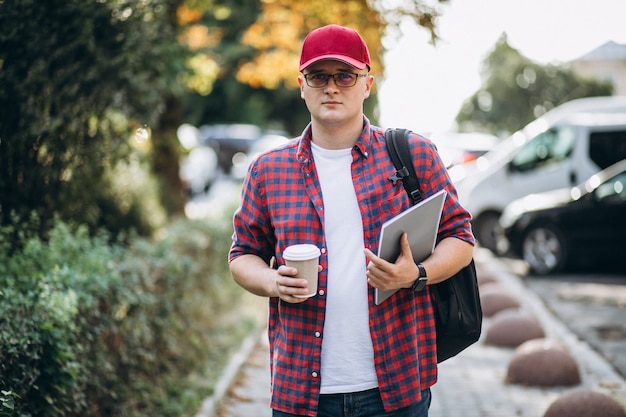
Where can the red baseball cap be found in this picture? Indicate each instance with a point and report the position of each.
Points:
(335, 42)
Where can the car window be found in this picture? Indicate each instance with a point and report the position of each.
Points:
(551, 146)
(613, 190)
(606, 148)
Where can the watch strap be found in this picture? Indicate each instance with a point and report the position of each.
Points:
(421, 280)
(422, 270)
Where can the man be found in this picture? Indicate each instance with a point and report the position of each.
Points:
(338, 352)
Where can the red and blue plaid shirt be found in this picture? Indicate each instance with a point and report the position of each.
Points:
(282, 205)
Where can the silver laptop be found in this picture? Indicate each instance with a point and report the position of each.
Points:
(421, 223)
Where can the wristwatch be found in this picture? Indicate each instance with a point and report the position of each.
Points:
(421, 280)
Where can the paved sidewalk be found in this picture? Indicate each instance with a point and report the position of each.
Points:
(470, 385)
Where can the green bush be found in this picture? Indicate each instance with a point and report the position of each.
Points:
(94, 328)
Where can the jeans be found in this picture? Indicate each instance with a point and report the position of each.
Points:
(363, 404)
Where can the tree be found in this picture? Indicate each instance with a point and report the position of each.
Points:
(77, 78)
(517, 90)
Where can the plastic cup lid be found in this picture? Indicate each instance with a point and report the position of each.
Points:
(301, 252)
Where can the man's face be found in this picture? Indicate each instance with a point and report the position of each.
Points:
(332, 104)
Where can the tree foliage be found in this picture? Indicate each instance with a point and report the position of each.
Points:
(77, 78)
(517, 90)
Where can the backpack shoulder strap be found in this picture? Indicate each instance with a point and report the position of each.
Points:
(398, 148)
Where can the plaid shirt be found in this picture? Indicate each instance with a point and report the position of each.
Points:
(282, 205)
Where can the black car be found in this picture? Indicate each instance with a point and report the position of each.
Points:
(583, 226)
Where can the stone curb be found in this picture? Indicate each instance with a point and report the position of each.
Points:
(210, 405)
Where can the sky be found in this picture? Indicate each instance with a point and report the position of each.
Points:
(425, 86)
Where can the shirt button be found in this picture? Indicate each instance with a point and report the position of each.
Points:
(323, 250)
(317, 334)
(321, 292)
(314, 374)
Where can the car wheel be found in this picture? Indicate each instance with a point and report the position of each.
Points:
(486, 230)
(544, 250)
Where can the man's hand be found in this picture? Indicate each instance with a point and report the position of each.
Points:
(288, 286)
(390, 276)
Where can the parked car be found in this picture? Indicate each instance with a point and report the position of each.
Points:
(560, 149)
(570, 226)
(229, 141)
(457, 148)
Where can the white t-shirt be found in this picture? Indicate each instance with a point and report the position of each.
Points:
(347, 351)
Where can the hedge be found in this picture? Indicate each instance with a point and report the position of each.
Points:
(91, 326)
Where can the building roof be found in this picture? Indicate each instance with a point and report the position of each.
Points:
(610, 51)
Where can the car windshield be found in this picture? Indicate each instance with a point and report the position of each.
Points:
(551, 146)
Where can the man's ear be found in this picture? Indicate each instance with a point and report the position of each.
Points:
(301, 84)
(369, 82)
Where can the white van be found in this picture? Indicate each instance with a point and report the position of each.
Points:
(560, 149)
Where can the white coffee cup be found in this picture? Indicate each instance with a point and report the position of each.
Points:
(305, 258)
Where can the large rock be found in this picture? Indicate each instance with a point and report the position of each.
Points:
(585, 403)
(541, 362)
(511, 328)
(494, 299)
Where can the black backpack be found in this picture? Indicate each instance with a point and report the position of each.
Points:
(456, 302)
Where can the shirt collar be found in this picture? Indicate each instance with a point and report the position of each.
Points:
(363, 143)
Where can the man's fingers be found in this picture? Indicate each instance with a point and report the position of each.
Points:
(288, 286)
